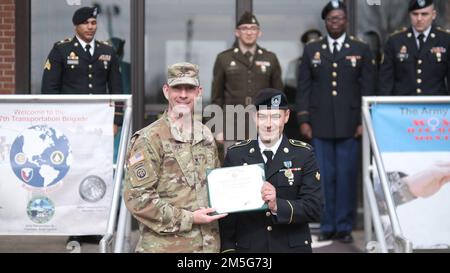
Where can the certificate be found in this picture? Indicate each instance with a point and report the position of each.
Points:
(236, 189)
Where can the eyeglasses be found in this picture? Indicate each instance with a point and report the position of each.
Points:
(249, 29)
(335, 18)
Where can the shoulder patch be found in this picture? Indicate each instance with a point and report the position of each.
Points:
(399, 31)
(300, 144)
(65, 41)
(240, 144)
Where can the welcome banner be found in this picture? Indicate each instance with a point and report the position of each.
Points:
(414, 141)
(56, 168)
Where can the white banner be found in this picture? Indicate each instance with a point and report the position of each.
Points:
(56, 170)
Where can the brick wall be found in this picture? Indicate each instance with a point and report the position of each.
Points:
(7, 47)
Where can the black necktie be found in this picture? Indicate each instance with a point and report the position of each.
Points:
(269, 155)
(335, 49)
(421, 40)
(249, 56)
(88, 50)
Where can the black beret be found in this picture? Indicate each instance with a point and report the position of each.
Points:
(83, 14)
(304, 39)
(332, 5)
(247, 18)
(269, 98)
(419, 4)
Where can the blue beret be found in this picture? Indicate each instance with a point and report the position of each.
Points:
(83, 14)
(419, 4)
(332, 5)
(271, 98)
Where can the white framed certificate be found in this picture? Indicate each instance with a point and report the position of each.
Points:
(236, 189)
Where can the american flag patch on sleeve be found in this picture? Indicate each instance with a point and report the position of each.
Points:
(136, 158)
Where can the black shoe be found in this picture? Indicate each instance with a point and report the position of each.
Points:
(345, 237)
(326, 236)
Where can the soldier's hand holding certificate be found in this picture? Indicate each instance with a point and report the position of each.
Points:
(236, 189)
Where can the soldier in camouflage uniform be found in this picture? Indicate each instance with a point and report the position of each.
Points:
(165, 186)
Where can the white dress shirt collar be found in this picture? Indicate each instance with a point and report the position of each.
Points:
(274, 148)
(426, 33)
(340, 41)
(83, 45)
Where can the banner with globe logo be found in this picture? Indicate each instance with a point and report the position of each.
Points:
(56, 168)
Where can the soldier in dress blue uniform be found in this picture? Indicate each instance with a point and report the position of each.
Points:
(82, 65)
(417, 59)
(293, 191)
(335, 73)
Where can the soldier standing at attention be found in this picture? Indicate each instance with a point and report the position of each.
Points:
(417, 59)
(240, 72)
(82, 65)
(165, 183)
(292, 191)
(335, 73)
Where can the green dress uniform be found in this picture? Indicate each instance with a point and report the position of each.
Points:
(295, 175)
(236, 79)
(407, 70)
(165, 183)
(71, 70)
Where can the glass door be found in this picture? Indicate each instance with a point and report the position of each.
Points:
(184, 30)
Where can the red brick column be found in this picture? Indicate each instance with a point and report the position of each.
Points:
(7, 47)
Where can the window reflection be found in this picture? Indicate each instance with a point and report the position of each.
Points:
(282, 26)
(391, 16)
(185, 30)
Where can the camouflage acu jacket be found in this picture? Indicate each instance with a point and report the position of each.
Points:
(166, 182)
